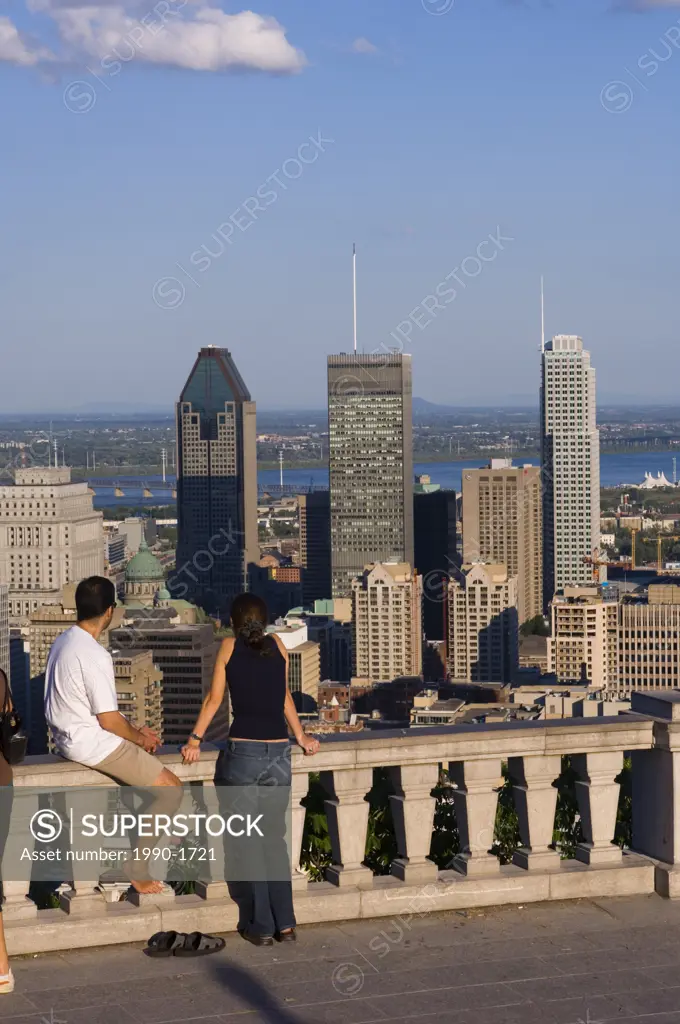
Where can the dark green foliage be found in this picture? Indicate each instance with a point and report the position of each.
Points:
(445, 839)
(506, 837)
(316, 843)
(624, 817)
(381, 843)
(535, 627)
(567, 832)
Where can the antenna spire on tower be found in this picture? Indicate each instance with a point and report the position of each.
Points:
(542, 318)
(354, 281)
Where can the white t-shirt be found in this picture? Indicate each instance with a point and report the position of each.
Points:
(79, 685)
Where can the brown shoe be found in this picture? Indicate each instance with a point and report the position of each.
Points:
(287, 936)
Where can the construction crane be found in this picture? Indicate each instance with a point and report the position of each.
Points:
(625, 564)
(596, 562)
(661, 537)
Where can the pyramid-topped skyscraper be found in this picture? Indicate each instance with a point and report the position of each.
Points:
(216, 484)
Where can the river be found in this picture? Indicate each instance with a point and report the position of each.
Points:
(615, 470)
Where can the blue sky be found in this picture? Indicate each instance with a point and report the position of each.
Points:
(553, 123)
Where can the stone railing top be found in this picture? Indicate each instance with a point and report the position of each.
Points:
(392, 747)
(657, 705)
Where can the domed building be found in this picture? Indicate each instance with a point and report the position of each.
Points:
(145, 587)
(144, 578)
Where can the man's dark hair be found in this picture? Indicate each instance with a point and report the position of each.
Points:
(94, 597)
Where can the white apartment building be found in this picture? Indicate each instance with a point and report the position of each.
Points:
(483, 633)
(387, 622)
(570, 457)
(583, 647)
(50, 535)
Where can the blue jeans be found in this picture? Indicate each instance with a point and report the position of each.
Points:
(265, 907)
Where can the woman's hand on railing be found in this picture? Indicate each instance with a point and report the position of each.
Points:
(309, 745)
(191, 751)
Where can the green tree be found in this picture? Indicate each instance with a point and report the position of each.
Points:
(537, 626)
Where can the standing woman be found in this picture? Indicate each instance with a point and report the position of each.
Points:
(6, 976)
(254, 665)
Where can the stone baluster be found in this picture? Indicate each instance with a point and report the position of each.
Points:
(656, 790)
(300, 788)
(413, 809)
(18, 906)
(347, 811)
(476, 800)
(84, 899)
(598, 800)
(535, 802)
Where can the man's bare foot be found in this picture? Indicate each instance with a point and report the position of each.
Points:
(147, 887)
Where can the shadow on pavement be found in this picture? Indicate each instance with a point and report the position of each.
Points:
(241, 983)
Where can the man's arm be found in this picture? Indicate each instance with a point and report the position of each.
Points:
(113, 721)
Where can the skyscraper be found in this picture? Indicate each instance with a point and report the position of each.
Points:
(370, 463)
(436, 555)
(502, 524)
(50, 535)
(315, 547)
(483, 641)
(387, 622)
(216, 484)
(570, 456)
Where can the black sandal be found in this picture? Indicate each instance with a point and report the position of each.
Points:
(198, 944)
(164, 943)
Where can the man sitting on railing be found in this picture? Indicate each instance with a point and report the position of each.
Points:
(81, 708)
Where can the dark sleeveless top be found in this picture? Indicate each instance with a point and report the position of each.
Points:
(5, 770)
(257, 689)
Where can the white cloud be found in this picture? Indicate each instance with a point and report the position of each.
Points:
(363, 45)
(206, 39)
(175, 33)
(647, 5)
(14, 49)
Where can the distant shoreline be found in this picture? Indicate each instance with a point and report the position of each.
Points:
(113, 472)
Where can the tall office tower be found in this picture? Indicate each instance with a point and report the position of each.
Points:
(216, 484)
(570, 459)
(139, 689)
(649, 637)
(436, 554)
(502, 524)
(370, 462)
(185, 655)
(387, 622)
(50, 535)
(315, 546)
(4, 629)
(583, 646)
(483, 639)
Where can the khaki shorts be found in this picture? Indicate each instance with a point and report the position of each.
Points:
(131, 765)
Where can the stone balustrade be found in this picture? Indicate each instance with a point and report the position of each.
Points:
(474, 757)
